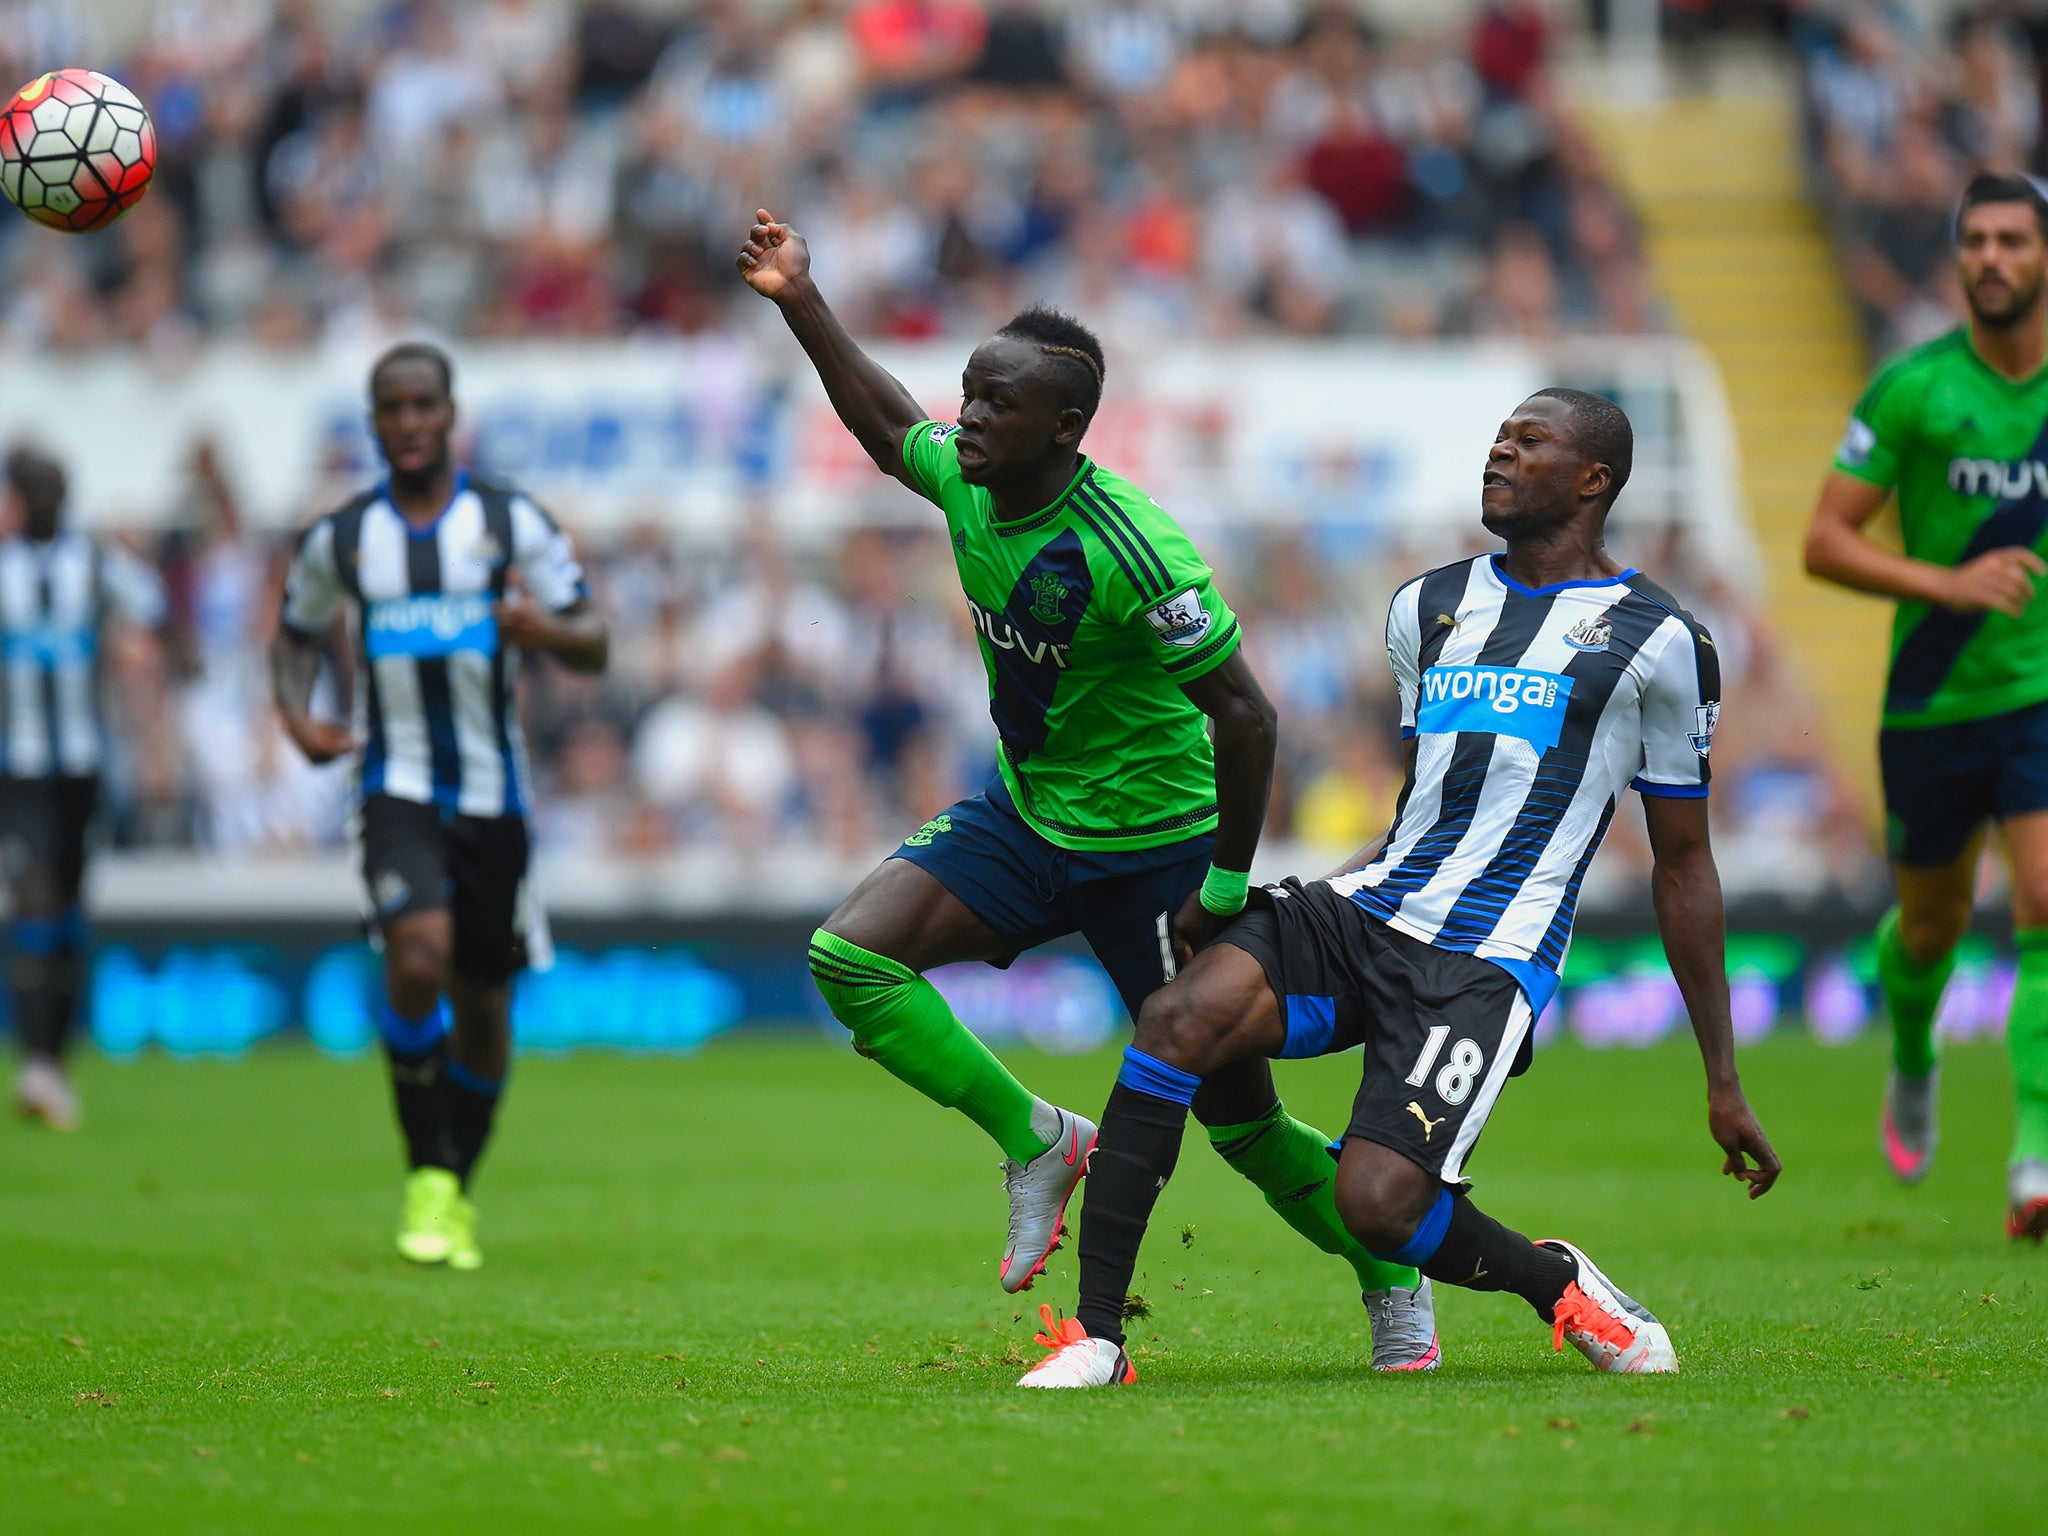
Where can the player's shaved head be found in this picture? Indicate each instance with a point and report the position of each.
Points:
(1600, 430)
(1026, 398)
(414, 352)
(1073, 355)
(1559, 460)
(412, 413)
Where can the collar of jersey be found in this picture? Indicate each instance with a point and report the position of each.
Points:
(2017, 386)
(1040, 519)
(416, 530)
(1500, 574)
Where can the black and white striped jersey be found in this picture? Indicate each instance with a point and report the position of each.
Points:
(436, 708)
(54, 593)
(1533, 710)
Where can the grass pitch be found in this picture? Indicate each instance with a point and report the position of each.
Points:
(756, 1290)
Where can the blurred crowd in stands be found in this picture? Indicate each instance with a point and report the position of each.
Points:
(542, 167)
(493, 168)
(1901, 112)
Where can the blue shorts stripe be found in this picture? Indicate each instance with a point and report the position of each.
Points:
(1311, 1024)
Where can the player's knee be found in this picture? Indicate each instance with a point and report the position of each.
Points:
(857, 985)
(1175, 1028)
(417, 962)
(1382, 1198)
(1929, 932)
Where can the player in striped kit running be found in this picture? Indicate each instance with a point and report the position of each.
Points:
(448, 579)
(1538, 686)
(56, 588)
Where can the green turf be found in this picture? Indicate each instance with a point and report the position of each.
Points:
(756, 1290)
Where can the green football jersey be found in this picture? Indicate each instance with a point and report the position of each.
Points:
(1090, 616)
(1966, 451)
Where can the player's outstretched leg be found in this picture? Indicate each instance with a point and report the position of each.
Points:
(899, 1019)
(1406, 1215)
(1294, 1166)
(1912, 993)
(2026, 1041)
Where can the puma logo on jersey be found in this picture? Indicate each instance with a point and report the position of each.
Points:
(1428, 1125)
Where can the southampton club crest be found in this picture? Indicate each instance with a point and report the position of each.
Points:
(1590, 634)
(1050, 591)
(1705, 718)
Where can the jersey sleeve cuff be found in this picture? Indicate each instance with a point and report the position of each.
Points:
(1407, 733)
(919, 481)
(1211, 655)
(1668, 791)
(1867, 475)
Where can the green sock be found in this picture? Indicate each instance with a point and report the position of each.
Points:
(1912, 994)
(1292, 1167)
(899, 1019)
(2026, 1040)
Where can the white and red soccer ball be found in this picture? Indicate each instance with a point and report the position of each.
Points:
(76, 149)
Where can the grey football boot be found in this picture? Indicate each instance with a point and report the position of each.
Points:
(1039, 1191)
(1403, 1328)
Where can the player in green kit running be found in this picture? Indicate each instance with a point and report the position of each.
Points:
(1109, 656)
(1957, 429)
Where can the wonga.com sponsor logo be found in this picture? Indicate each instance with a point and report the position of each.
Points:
(432, 625)
(1501, 701)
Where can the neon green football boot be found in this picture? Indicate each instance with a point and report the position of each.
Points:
(463, 1252)
(425, 1222)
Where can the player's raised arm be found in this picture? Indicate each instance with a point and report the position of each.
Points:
(870, 400)
(1686, 889)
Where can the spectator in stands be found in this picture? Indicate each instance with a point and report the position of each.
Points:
(1900, 251)
(1863, 90)
(1993, 117)
(446, 164)
(522, 168)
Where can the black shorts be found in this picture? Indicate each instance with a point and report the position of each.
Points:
(42, 840)
(1442, 1031)
(1943, 782)
(419, 858)
(1031, 892)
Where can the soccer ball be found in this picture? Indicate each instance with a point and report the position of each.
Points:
(76, 149)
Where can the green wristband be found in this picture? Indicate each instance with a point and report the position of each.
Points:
(1223, 890)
